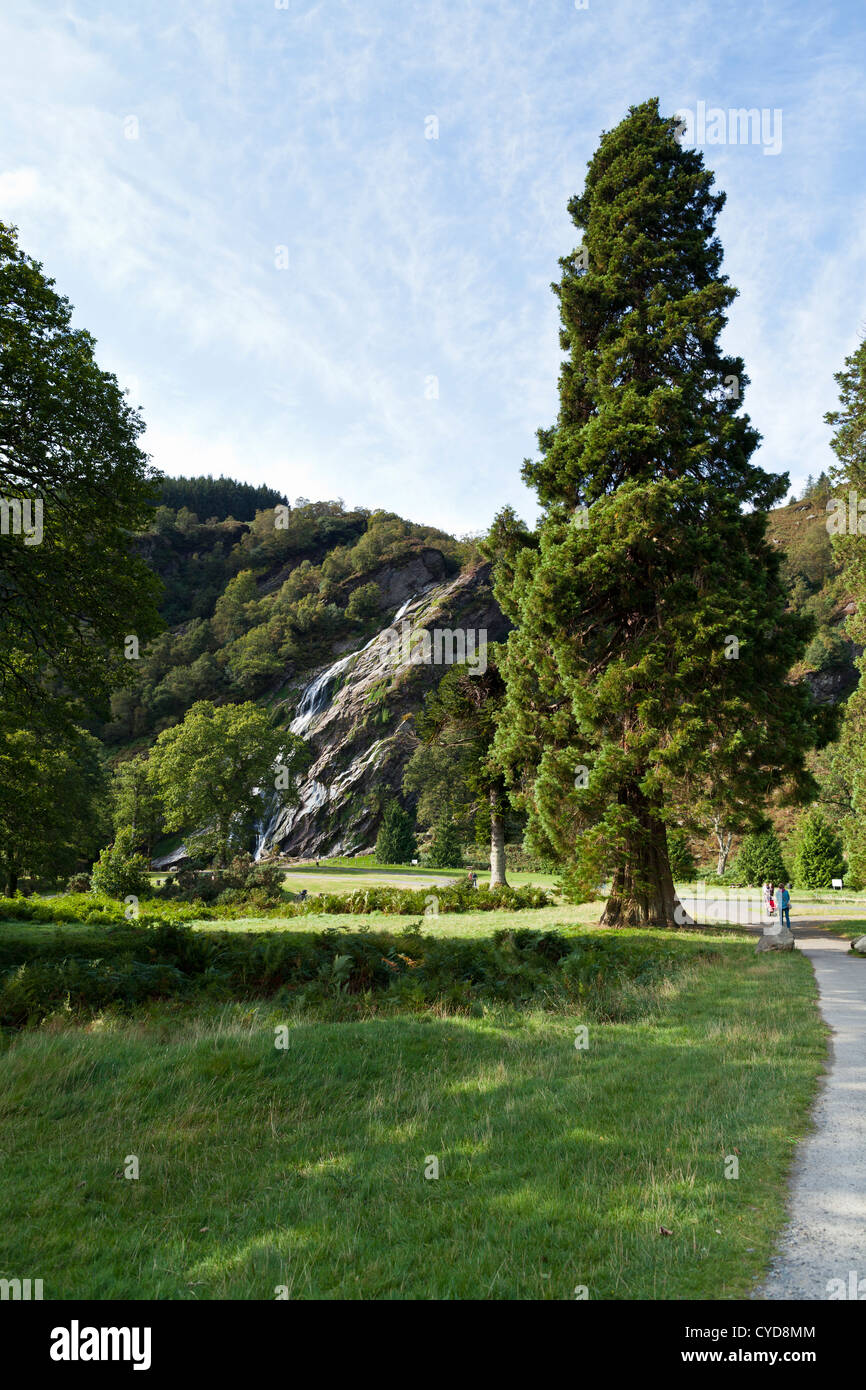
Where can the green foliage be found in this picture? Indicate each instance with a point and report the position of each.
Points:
(119, 871)
(135, 804)
(410, 968)
(446, 851)
(760, 860)
(819, 855)
(208, 772)
(454, 762)
(827, 652)
(682, 861)
(650, 552)
(456, 897)
(848, 771)
(395, 842)
(68, 445)
(53, 800)
(217, 498)
(364, 602)
(849, 425)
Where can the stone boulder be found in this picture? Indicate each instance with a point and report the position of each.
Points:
(776, 941)
(859, 944)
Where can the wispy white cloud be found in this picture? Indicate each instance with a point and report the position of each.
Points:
(408, 258)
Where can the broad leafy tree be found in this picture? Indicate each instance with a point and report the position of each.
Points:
(135, 804)
(53, 802)
(215, 771)
(74, 485)
(652, 642)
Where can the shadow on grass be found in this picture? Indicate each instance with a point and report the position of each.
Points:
(304, 1169)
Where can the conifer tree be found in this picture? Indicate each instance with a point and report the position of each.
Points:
(445, 850)
(819, 856)
(760, 860)
(652, 644)
(395, 843)
(849, 549)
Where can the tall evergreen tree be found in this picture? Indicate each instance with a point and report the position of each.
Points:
(849, 475)
(652, 645)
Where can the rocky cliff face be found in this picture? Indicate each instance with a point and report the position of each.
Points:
(358, 713)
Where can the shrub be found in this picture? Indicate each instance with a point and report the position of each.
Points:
(364, 602)
(119, 871)
(407, 969)
(78, 883)
(760, 861)
(827, 652)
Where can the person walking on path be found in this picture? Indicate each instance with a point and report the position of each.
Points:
(783, 900)
(768, 899)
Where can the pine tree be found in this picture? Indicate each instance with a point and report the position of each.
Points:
(652, 642)
(849, 475)
(819, 856)
(395, 843)
(445, 850)
(760, 860)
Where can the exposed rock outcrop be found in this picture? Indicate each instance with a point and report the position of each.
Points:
(358, 712)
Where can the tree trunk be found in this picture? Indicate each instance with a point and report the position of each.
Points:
(11, 883)
(642, 893)
(497, 842)
(724, 850)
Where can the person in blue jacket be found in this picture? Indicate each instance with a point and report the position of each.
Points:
(783, 902)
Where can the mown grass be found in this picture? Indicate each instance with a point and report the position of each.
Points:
(304, 1167)
(444, 923)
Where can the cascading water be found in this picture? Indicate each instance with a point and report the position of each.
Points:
(315, 699)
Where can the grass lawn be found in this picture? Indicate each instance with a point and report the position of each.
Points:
(443, 924)
(343, 876)
(304, 1167)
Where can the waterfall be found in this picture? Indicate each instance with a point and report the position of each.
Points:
(315, 698)
(317, 695)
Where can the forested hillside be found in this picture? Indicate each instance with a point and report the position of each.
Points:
(255, 605)
(250, 605)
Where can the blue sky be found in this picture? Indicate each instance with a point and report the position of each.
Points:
(300, 125)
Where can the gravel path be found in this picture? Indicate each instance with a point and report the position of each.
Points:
(826, 1236)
